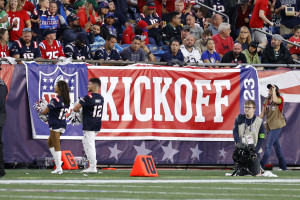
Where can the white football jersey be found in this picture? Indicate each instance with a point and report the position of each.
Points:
(193, 56)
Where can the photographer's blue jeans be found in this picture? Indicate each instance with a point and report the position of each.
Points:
(273, 140)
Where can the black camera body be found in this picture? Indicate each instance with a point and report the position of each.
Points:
(244, 154)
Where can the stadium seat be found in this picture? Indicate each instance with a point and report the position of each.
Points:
(125, 45)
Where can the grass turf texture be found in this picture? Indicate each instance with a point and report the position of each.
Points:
(171, 184)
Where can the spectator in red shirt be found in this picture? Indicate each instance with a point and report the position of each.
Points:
(28, 7)
(18, 18)
(258, 20)
(87, 15)
(4, 51)
(295, 51)
(50, 47)
(223, 41)
(132, 30)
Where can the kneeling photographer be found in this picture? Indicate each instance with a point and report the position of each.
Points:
(249, 134)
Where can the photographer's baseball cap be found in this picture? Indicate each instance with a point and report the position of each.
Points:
(270, 85)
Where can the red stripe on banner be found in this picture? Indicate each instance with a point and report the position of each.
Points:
(6, 74)
(204, 135)
(291, 90)
(264, 74)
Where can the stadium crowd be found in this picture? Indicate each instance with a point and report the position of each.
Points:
(174, 31)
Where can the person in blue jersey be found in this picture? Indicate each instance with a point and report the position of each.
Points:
(91, 106)
(25, 47)
(108, 51)
(56, 110)
(78, 50)
(174, 53)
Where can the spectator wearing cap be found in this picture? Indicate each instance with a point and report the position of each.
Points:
(4, 50)
(216, 21)
(157, 4)
(102, 11)
(172, 29)
(239, 17)
(50, 47)
(201, 44)
(78, 5)
(173, 53)
(190, 53)
(251, 53)
(195, 29)
(99, 41)
(154, 22)
(134, 51)
(235, 56)
(107, 27)
(223, 41)
(71, 32)
(108, 51)
(276, 52)
(185, 31)
(25, 47)
(78, 50)
(88, 16)
(132, 30)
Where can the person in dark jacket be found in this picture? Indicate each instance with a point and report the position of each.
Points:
(276, 52)
(3, 94)
(235, 56)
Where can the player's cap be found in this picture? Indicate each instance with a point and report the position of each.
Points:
(243, 2)
(109, 14)
(78, 3)
(93, 2)
(72, 17)
(26, 30)
(186, 28)
(278, 37)
(49, 31)
(142, 24)
(150, 4)
(104, 5)
(81, 37)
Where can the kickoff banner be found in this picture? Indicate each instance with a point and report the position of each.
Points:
(147, 102)
(41, 80)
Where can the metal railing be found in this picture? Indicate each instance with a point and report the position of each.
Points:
(209, 8)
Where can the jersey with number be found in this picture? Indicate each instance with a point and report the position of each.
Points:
(57, 113)
(21, 16)
(219, 5)
(53, 51)
(71, 51)
(193, 56)
(92, 111)
(29, 52)
(4, 51)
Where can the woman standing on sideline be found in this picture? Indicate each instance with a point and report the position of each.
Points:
(275, 121)
(57, 109)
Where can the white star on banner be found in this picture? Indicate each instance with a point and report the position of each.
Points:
(44, 87)
(223, 153)
(67, 80)
(114, 152)
(169, 152)
(72, 80)
(196, 152)
(51, 80)
(72, 87)
(141, 150)
(45, 80)
(51, 87)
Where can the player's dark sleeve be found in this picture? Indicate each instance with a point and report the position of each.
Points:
(261, 137)
(14, 50)
(235, 130)
(83, 102)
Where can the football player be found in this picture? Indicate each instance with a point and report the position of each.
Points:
(78, 50)
(56, 110)
(25, 47)
(91, 106)
(50, 47)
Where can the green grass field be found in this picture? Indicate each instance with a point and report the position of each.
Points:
(171, 184)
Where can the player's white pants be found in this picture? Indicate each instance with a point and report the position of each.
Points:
(88, 142)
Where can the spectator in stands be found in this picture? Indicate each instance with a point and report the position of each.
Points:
(28, 7)
(158, 5)
(71, 32)
(59, 22)
(295, 51)
(201, 44)
(132, 30)
(102, 11)
(67, 7)
(134, 51)
(149, 57)
(239, 17)
(216, 20)
(288, 19)
(4, 23)
(4, 50)
(108, 52)
(107, 27)
(195, 29)
(25, 47)
(210, 55)
(150, 16)
(88, 16)
(99, 41)
(223, 41)
(36, 19)
(244, 37)
(18, 18)
(78, 5)
(170, 5)
(50, 47)
(172, 29)
(235, 56)
(173, 53)
(222, 6)
(185, 31)
(179, 7)
(78, 50)
(190, 53)
(276, 53)
(251, 53)
(258, 20)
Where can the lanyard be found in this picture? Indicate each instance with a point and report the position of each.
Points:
(249, 125)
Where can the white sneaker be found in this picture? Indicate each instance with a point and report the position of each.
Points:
(90, 170)
(57, 171)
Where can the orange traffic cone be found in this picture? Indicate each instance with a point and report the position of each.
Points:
(144, 166)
